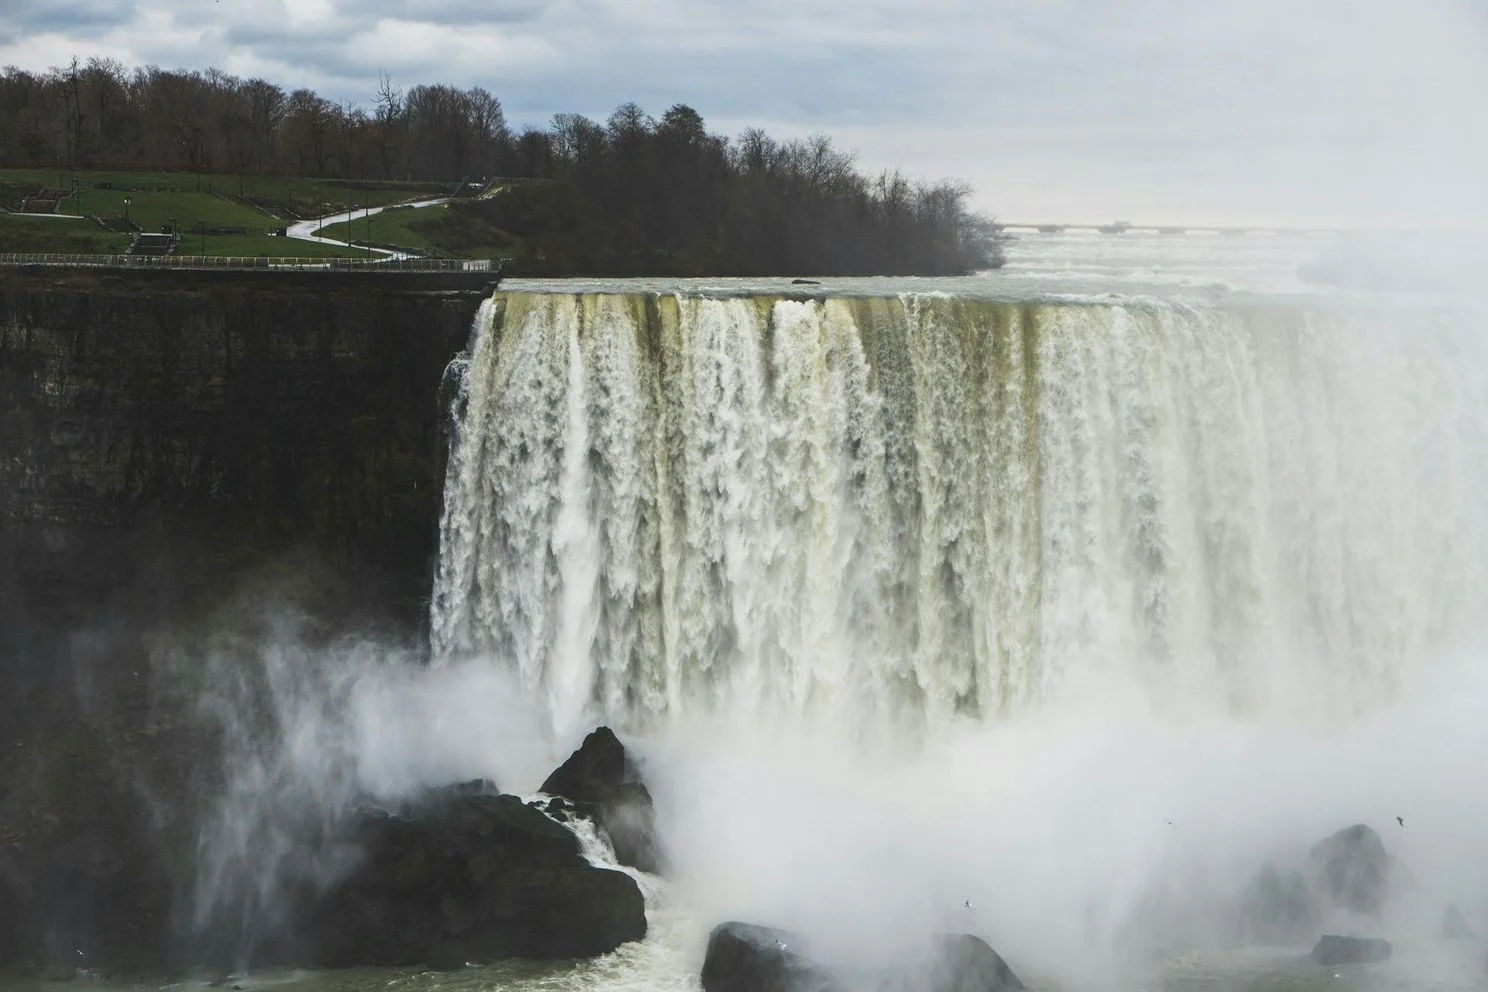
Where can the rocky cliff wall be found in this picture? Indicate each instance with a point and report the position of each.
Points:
(234, 418)
(165, 438)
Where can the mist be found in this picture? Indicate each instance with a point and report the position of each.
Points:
(309, 724)
(1090, 838)
(1271, 630)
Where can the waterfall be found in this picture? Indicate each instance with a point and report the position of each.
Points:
(906, 510)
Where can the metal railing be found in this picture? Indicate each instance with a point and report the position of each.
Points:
(232, 262)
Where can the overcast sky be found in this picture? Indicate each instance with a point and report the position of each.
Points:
(1335, 111)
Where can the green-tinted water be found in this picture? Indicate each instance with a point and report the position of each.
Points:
(1437, 968)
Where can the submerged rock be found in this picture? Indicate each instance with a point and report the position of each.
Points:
(465, 875)
(599, 780)
(1333, 949)
(1353, 869)
(743, 957)
(1454, 925)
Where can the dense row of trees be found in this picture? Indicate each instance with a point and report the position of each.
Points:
(632, 194)
(640, 196)
(100, 114)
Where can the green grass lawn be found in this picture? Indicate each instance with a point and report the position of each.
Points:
(22, 233)
(257, 204)
(152, 211)
(262, 246)
(435, 230)
(260, 202)
(387, 228)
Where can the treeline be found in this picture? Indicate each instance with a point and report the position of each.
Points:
(631, 195)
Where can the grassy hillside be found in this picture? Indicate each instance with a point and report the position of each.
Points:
(442, 230)
(274, 196)
(75, 236)
(21, 233)
(238, 214)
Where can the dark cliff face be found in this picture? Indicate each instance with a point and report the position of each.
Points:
(162, 441)
(231, 418)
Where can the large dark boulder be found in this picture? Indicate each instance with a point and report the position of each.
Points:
(596, 767)
(1333, 949)
(1352, 869)
(965, 963)
(743, 957)
(600, 781)
(467, 875)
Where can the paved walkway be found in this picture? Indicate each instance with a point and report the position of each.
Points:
(305, 229)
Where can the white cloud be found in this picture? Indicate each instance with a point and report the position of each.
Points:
(1329, 109)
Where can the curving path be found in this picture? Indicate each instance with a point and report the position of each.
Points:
(305, 230)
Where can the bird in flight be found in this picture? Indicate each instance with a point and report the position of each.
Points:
(1400, 820)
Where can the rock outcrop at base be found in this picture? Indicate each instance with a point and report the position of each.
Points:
(743, 957)
(1353, 869)
(466, 875)
(1454, 925)
(599, 780)
(1333, 949)
(1289, 900)
(966, 963)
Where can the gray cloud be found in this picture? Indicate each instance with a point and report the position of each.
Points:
(81, 19)
(1151, 107)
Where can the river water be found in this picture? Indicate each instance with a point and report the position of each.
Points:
(1043, 604)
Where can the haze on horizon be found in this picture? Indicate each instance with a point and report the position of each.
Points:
(1357, 114)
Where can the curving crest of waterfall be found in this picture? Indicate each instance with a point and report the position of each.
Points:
(907, 508)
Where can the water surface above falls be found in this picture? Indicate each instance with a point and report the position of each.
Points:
(1200, 268)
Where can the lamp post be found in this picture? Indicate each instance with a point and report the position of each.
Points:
(127, 202)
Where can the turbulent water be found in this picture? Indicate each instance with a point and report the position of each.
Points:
(1045, 604)
(1077, 590)
(903, 509)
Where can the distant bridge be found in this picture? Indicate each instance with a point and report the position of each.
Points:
(1124, 227)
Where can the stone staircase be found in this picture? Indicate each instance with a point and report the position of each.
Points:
(153, 244)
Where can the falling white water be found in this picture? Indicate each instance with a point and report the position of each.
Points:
(575, 544)
(1154, 590)
(906, 509)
